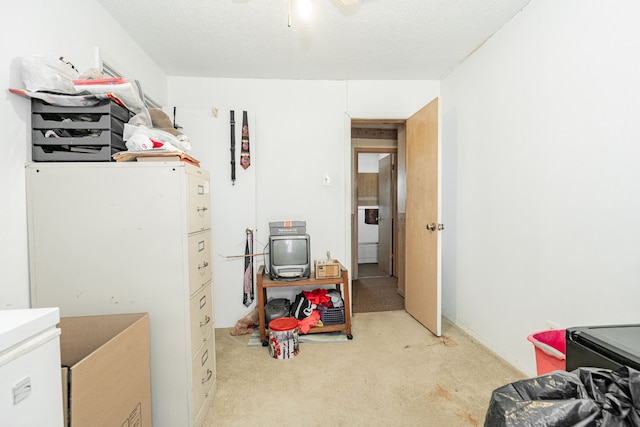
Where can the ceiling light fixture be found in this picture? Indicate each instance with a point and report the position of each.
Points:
(304, 8)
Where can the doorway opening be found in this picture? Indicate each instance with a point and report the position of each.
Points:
(376, 255)
(417, 256)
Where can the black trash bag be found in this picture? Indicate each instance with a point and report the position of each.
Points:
(585, 397)
(617, 393)
(555, 399)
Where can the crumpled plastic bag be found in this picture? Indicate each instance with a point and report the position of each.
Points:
(43, 73)
(140, 142)
(585, 397)
(126, 92)
(170, 141)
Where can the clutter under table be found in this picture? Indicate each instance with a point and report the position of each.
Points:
(341, 283)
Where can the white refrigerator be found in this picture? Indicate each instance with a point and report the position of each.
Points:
(30, 376)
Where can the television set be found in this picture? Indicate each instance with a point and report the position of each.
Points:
(289, 257)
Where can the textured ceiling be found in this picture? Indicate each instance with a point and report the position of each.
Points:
(370, 40)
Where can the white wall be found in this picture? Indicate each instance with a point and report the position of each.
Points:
(301, 131)
(369, 162)
(540, 151)
(54, 28)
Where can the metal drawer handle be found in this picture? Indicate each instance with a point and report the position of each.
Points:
(207, 319)
(205, 265)
(209, 375)
(203, 209)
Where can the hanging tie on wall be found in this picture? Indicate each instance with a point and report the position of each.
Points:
(233, 147)
(248, 295)
(245, 155)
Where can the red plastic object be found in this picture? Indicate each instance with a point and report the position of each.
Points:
(283, 324)
(551, 348)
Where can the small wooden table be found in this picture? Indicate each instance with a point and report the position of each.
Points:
(341, 283)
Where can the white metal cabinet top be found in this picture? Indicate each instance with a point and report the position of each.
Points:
(19, 325)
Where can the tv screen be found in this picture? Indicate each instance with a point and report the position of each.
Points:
(289, 256)
(289, 251)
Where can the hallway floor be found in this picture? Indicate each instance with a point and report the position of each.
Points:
(375, 290)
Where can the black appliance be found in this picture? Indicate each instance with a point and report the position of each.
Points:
(608, 347)
(276, 308)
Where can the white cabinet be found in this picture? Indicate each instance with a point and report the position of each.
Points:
(30, 385)
(126, 238)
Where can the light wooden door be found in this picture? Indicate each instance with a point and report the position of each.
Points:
(422, 283)
(385, 215)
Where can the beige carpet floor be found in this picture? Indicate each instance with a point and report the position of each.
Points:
(393, 373)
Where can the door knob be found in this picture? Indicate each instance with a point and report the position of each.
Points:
(434, 227)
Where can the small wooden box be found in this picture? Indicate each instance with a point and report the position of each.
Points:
(327, 268)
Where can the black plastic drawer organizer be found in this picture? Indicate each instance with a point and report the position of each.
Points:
(85, 134)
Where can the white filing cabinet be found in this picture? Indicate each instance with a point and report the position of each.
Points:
(30, 381)
(132, 237)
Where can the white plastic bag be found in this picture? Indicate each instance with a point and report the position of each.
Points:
(139, 142)
(41, 73)
(170, 142)
(126, 92)
(141, 119)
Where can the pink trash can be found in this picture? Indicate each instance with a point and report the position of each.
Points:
(550, 347)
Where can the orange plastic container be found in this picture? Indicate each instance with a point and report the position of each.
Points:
(551, 348)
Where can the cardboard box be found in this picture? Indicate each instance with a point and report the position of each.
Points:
(284, 228)
(327, 268)
(106, 378)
